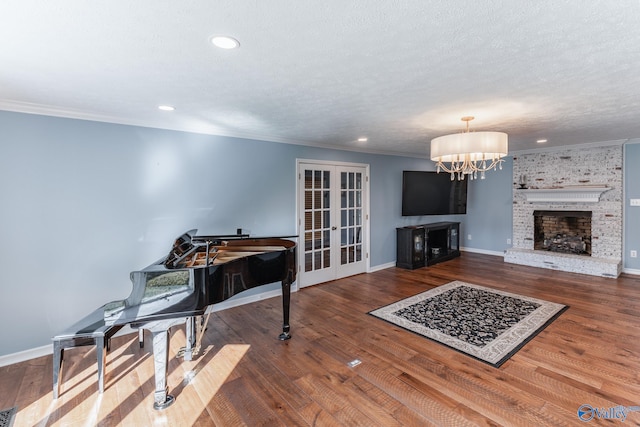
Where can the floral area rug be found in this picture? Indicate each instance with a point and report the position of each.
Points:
(7, 417)
(484, 323)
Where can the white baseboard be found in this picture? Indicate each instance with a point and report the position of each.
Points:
(633, 271)
(381, 267)
(21, 356)
(482, 251)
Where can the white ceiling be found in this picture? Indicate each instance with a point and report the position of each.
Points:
(325, 73)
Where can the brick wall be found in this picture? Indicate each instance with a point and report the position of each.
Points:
(580, 166)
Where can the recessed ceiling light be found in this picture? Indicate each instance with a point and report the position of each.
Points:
(541, 141)
(166, 107)
(225, 42)
(363, 139)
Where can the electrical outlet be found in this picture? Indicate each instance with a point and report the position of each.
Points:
(468, 236)
(508, 241)
(634, 202)
(634, 254)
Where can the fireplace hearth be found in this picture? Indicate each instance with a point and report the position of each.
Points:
(563, 231)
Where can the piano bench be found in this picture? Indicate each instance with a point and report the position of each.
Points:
(91, 330)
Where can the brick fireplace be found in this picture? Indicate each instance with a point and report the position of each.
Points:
(584, 186)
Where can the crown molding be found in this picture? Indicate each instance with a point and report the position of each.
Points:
(44, 110)
(47, 110)
(617, 142)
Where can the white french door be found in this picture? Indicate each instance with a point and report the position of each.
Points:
(333, 221)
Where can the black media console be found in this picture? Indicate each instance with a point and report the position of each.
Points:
(426, 244)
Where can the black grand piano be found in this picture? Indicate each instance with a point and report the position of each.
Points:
(198, 271)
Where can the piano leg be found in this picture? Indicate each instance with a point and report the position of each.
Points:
(160, 336)
(286, 303)
(162, 399)
(194, 329)
(102, 346)
(58, 356)
(190, 332)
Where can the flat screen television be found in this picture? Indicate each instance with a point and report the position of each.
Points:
(432, 193)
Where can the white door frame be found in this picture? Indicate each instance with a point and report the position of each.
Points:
(366, 210)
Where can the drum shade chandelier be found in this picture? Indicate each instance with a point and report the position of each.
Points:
(469, 152)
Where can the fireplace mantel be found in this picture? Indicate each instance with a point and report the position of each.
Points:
(570, 193)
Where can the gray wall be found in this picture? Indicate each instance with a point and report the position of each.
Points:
(631, 213)
(84, 203)
(489, 212)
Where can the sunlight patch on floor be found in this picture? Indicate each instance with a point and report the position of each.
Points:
(92, 418)
(204, 382)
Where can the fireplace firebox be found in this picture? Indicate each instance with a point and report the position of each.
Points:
(563, 231)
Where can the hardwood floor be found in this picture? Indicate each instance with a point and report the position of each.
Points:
(589, 355)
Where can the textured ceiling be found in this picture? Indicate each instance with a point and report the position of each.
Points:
(325, 73)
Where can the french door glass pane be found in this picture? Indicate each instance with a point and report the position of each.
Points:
(307, 242)
(350, 217)
(308, 261)
(317, 205)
